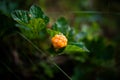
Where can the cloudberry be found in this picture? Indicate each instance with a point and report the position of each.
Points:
(59, 41)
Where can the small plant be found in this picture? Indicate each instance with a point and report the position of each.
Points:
(60, 38)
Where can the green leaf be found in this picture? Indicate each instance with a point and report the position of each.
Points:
(62, 26)
(34, 20)
(71, 35)
(36, 12)
(80, 45)
(52, 32)
(36, 24)
(20, 16)
(33, 28)
(76, 47)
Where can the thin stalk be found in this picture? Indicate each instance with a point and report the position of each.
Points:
(45, 55)
(62, 71)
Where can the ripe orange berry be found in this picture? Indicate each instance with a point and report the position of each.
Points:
(59, 41)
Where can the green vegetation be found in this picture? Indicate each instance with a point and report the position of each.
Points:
(27, 53)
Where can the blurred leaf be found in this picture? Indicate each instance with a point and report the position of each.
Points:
(36, 12)
(76, 47)
(36, 24)
(80, 45)
(62, 26)
(20, 16)
(71, 35)
(52, 32)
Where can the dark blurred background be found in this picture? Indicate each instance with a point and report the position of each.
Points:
(17, 58)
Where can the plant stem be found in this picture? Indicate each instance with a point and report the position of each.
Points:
(45, 55)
